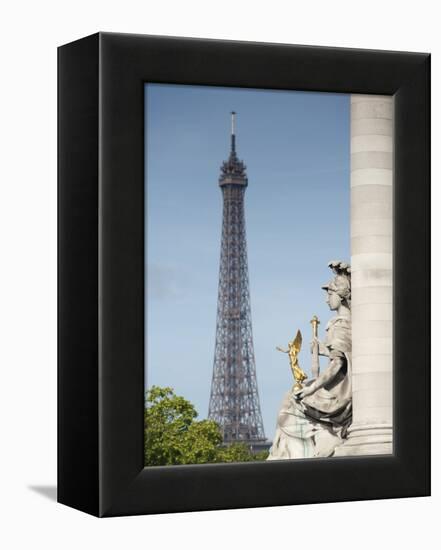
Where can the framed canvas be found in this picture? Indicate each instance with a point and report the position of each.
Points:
(116, 95)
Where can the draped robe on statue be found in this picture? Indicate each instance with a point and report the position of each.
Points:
(313, 426)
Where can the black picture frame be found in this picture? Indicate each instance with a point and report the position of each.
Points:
(101, 274)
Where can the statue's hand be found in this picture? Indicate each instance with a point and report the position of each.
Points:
(304, 392)
(323, 350)
(319, 347)
(315, 345)
(298, 394)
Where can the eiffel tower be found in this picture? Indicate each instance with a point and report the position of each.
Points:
(234, 398)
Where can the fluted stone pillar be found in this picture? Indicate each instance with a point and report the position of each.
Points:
(371, 262)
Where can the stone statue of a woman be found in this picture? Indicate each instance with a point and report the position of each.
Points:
(313, 421)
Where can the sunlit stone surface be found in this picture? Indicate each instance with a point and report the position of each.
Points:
(371, 261)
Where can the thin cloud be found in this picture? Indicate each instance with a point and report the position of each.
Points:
(163, 282)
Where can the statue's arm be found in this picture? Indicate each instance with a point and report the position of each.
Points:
(323, 379)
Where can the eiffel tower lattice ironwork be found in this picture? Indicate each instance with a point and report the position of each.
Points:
(234, 398)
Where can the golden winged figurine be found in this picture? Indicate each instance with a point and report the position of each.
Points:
(293, 351)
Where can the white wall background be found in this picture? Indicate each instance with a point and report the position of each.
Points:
(30, 33)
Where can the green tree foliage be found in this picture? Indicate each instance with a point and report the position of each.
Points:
(261, 455)
(239, 452)
(174, 436)
(236, 452)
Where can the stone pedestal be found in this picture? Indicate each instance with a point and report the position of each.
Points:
(371, 264)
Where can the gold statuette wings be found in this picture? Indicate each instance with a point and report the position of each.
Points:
(293, 350)
(297, 342)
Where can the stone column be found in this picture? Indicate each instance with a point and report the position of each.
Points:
(371, 263)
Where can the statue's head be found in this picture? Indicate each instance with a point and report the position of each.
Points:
(339, 288)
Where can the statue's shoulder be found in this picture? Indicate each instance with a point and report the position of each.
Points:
(343, 322)
(338, 322)
(339, 334)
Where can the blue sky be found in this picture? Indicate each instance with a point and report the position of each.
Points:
(296, 148)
